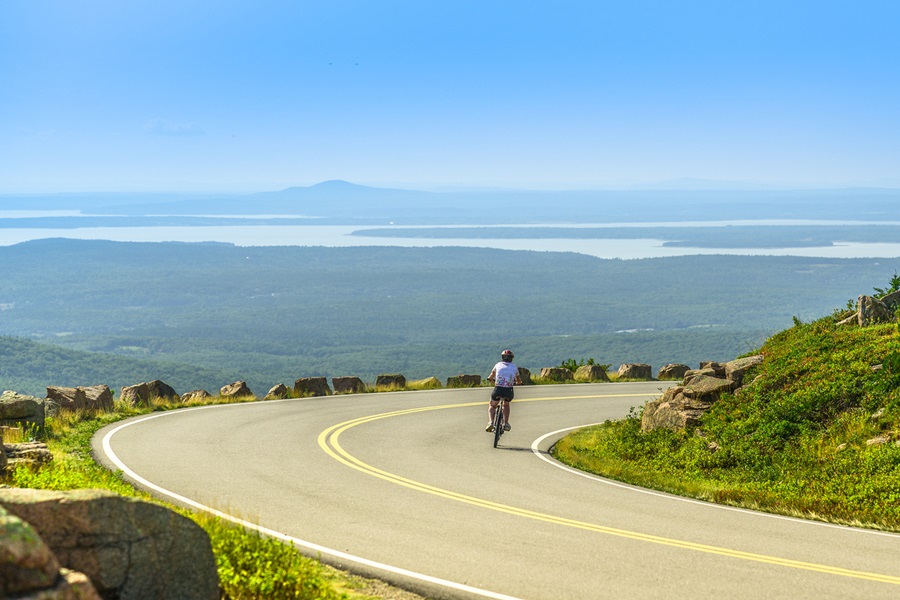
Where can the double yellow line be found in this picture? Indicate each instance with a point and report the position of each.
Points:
(329, 441)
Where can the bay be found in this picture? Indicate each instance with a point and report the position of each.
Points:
(339, 236)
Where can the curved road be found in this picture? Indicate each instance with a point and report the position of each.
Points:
(406, 487)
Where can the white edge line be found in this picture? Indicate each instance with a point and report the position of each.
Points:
(536, 450)
(107, 449)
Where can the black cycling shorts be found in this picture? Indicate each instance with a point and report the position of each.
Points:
(502, 393)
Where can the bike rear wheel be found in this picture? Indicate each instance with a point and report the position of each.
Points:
(498, 424)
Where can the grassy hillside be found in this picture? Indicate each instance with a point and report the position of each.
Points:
(798, 440)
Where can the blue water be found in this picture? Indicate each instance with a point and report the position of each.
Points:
(339, 236)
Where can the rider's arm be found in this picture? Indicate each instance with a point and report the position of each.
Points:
(493, 376)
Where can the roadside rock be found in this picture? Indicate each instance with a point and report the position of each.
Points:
(94, 397)
(29, 569)
(278, 392)
(525, 376)
(390, 382)
(51, 409)
(311, 386)
(688, 376)
(871, 310)
(850, 320)
(672, 372)
(238, 389)
(348, 385)
(67, 398)
(198, 395)
(590, 373)
(683, 406)
(127, 547)
(735, 369)
(719, 368)
(707, 389)
(143, 393)
(32, 454)
(25, 561)
(99, 397)
(429, 383)
(674, 410)
(558, 374)
(21, 410)
(892, 300)
(638, 371)
(464, 381)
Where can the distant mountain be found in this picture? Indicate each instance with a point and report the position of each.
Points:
(338, 189)
(334, 198)
(343, 202)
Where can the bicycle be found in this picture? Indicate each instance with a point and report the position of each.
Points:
(499, 423)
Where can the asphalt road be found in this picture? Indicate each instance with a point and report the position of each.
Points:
(408, 488)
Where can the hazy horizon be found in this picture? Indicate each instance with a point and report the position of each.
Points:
(686, 184)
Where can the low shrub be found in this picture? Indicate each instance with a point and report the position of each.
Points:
(817, 433)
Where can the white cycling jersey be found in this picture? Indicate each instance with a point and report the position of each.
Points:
(505, 374)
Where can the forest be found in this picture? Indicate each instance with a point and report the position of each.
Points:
(208, 314)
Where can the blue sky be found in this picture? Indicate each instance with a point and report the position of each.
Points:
(249, 96)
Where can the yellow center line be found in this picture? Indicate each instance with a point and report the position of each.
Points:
(329, 442)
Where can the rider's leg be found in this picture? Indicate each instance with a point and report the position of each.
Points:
(492, 410)
(506, 411)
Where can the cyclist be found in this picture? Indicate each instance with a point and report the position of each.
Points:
(504, 376)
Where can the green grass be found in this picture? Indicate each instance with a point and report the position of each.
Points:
(250, 566)
(794, 441)
(430, 383)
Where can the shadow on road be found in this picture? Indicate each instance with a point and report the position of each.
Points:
(517, 449)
